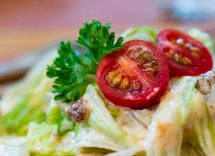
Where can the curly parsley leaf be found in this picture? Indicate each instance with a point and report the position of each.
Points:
(72, 72)
(98, 40)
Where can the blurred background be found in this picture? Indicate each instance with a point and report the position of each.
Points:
(29, 27)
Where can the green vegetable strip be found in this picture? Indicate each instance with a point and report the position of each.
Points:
(72, 72)
(146, 33)
(200, 130)
(188, 150)
(100, 118)
(43, 140)
(57, 116)
(166, 130)
(28, 109)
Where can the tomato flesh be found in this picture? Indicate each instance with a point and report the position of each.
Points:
(186, 55)
(134, 76)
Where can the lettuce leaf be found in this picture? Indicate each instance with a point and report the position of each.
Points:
(31, 107)
(166, 129)
(142, 33)
(43, 139)
(13, 146)
(100, 118)
(18, 91)
(189, 150)
(89, 137)
(135, 123)
(26, 101)
(134, 151)
(56, 115)
(2, 129)
(200, 130)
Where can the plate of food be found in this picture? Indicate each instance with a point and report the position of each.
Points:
(148, 92)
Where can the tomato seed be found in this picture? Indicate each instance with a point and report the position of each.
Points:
(170, 55)
(141, 59)
(140, 51)
(116, 80)
(187, 61)
(112, 73)
(182, 61)
(124, 84)
(148, 65)
(135, 53)
(196, 55)
(132, 54)
(145, 55)
(150, 58)
(188, 45)
(144, 59)
(177, 58)
(195, 49)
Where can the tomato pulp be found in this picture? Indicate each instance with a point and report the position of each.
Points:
(134, 76)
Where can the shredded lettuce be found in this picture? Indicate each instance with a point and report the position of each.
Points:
(10, 150)
(43, 139)
(113, 109)
(135, 123)
(89, 137)
(56, 115)
(17, 92)
(188, 150)
(13, 146)
(142, 33)
(203, 37)
(166, 129)
(134, 151)
(200, 130)
(28, 109)
(26, 101)
(2, 129)
(100, 118)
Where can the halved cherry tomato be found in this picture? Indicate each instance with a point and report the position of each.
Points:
(134, 76)
(186, 55)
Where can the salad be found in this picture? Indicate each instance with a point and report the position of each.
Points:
(147, 93)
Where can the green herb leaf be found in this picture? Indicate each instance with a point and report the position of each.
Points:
(73, 72)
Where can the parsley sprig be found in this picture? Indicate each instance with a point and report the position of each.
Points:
(73, 72)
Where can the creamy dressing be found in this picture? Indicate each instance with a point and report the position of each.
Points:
(135, 123)
(211, 102)
(13, 146)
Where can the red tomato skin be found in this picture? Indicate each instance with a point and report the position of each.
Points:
(138, 100)
(175, 69)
